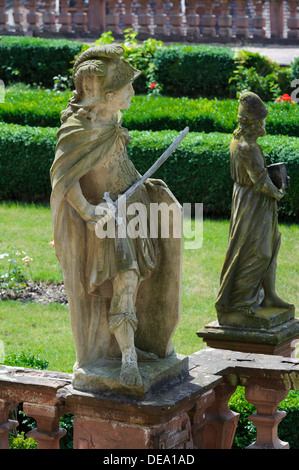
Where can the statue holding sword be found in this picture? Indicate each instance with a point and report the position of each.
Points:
(123, 293)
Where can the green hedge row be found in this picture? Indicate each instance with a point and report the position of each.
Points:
(35, 60)
(195, 70)
(33, 106)
(38, 107)
(197, 172)
(181, 70)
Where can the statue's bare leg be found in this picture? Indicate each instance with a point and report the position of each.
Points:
(123, 324)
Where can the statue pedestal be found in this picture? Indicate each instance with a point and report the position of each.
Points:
(272, 332)
(103, 376)
(171, 415)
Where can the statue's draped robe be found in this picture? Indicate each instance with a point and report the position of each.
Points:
(253, 236)
(89, 263)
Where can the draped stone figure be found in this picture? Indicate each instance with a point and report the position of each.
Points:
(123, 292)
(247, 284)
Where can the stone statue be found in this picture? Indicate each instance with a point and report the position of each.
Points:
(123, 292)
(247, 284)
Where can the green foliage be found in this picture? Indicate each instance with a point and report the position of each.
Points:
(194, 71)
(105, 38)
(26, 359)
(294, 73)
(14, 268)
(35, 60)
(67, 422)
(21, 442)
(62, 83)
(246, 433)
(27, 153)
(33, 106)
(142, 57)
(259, 74)
(177, 70)
(288, 429)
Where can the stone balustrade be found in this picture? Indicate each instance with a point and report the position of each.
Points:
(191, 414)
(182, 20)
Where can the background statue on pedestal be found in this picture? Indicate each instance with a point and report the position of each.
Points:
(124, 293)
(247, 284)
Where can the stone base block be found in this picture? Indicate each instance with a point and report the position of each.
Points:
(91, 434)
(103, 376)
(278, 340)
(266, 318)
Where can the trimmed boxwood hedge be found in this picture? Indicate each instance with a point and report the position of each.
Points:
(198, 171)
(195, 70)
(192, 71)
(42, 107)
(35, 60)
(33, 106)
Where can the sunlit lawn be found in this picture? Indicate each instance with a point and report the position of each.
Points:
(46, 330)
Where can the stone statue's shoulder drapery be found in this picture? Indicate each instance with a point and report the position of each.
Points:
(79, 149)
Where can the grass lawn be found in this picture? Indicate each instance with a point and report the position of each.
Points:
(45, 330)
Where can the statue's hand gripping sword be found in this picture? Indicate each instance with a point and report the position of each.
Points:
(113, 206)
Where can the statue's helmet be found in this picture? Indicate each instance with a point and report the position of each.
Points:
(251, 107)
(108, 65)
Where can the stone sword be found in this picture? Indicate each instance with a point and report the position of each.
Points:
(113, 212)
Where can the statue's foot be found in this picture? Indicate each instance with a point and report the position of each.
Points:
(273, 301)
(247, 311)
(129, 374)
(145, 356)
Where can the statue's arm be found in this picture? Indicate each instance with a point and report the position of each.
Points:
(254, 163)
(77, 200)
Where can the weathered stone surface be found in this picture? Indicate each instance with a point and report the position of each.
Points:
(103, 377)
(266, 318)
(190, 414)
(29, 385)
(122, 281)
(247, 295)
(237, 368)
(275, 340)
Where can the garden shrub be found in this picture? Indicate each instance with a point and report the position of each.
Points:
(19, 441)
(256, 73)
(294, 73)
(246, 432)
(194, 71)
(35, 60)
(26, 359)
(198, 171)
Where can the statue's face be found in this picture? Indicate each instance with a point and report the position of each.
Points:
(122, 98)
